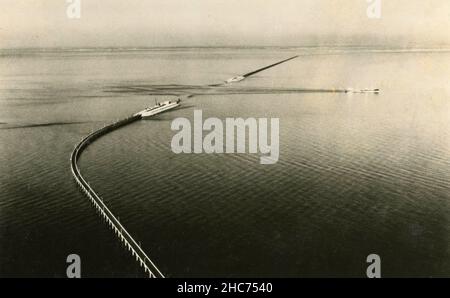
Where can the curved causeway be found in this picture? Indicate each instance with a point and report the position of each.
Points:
(113, 222)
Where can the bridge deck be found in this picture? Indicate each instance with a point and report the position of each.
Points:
(98, 203)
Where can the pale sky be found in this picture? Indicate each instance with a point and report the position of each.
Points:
(150, 23)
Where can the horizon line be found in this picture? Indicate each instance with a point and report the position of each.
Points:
(412, 45)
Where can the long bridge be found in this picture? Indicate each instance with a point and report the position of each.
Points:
(125, 237)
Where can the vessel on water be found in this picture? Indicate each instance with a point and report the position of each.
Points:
(159, 108)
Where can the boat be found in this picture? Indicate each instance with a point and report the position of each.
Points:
(160, 107)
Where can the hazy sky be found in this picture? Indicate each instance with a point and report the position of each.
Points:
(44, 23)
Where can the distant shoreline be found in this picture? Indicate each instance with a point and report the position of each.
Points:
(322, 46)
(306, 50)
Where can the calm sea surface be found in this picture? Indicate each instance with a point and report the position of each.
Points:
(357, 174)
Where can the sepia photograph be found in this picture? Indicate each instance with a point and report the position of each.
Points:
(225, 139)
